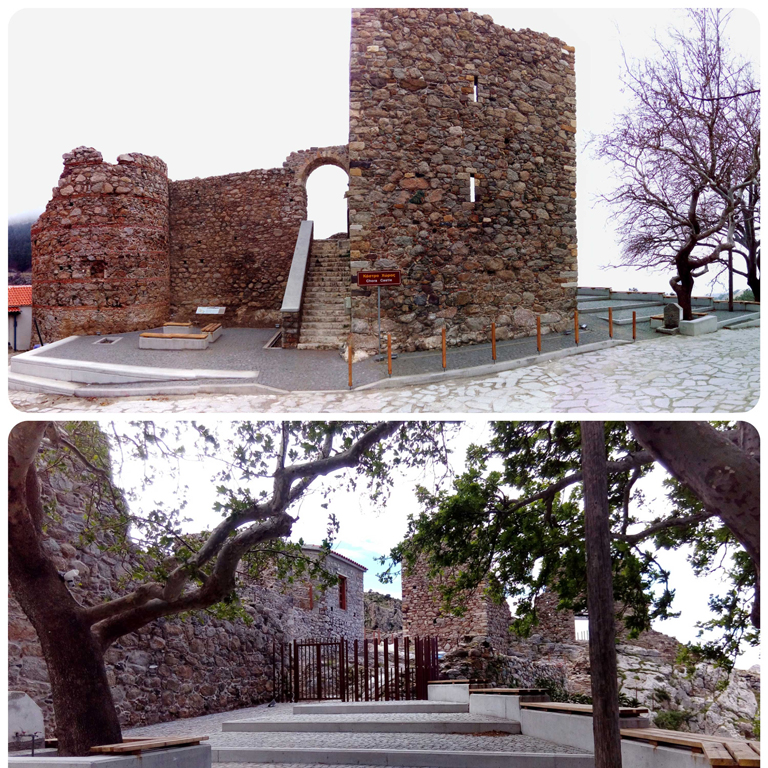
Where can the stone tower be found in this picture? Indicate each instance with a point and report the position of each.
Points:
(101, 252)
(462, 157)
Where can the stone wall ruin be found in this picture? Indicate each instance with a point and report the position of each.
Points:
(175, 667)
(442, 102)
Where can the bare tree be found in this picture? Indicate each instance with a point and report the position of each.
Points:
(685, 154)
(288, 458)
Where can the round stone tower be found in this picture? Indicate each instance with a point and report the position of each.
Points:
(100, 251)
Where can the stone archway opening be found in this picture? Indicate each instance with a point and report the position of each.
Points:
(326, 187)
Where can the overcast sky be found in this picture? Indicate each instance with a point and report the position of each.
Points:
(368, 531)
(218, 92)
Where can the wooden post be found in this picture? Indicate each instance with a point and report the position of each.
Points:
(366, 681)
(538, 332)
(634, 326)
(389, 354)
(386, 669)
(357, 681)
(610, 321)
(602, 618)
(445, 365)
(575, 327)
(493, 341)
(349, 356)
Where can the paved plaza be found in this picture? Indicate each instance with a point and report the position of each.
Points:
(210, 725)
(717, 373)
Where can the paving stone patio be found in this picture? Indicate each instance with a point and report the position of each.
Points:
(210, 725)
(717, 373)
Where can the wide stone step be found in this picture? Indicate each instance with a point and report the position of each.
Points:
(328, 344)
(403, 758)
(327, 725)
(364, 707)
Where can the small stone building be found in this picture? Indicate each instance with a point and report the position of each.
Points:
(461, 160)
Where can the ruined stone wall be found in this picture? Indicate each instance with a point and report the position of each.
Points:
(417, 138)
(100, 249)
(232, 242)
(422, 614)
(174, 667)
(556, 625)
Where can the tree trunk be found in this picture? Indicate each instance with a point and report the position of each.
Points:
(753, 281)
(722, 473)
(82, 700)
(723, 476)
(602, 618)
(683, 288)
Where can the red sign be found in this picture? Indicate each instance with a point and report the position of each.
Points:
(378, 277)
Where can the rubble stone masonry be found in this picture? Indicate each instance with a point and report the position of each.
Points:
(441, 100)
(174, 667)
(100, 249)
(422, 614)
(232, 240)
(462, 167)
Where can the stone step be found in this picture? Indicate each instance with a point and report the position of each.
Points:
(330, 343)
(326, 725)
(366, 707)
(402, 757)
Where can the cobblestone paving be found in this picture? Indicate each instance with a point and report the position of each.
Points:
(717, 373)
(458, 742)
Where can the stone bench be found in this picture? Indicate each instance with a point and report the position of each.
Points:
(213, 330)
(179, 328)
(719, 750)
(173, 341)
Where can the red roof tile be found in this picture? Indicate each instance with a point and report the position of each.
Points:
(19, 296)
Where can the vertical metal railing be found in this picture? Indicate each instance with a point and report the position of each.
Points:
(321, 669)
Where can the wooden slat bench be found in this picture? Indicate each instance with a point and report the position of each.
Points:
(137, 745)
(213, 330)
(178, 327)
(582, 709)
(717, 749)
(172, 341)
(513, 691)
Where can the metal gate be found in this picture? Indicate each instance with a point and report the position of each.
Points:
(372, 670)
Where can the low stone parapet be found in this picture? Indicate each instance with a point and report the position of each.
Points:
(454, 692)
(698, 326)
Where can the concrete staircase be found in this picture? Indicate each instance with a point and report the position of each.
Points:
(324, 318)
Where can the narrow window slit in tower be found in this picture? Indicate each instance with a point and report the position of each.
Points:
(471, 187)
(474, 90)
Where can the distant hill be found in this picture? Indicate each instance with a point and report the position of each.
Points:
(20, 246)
